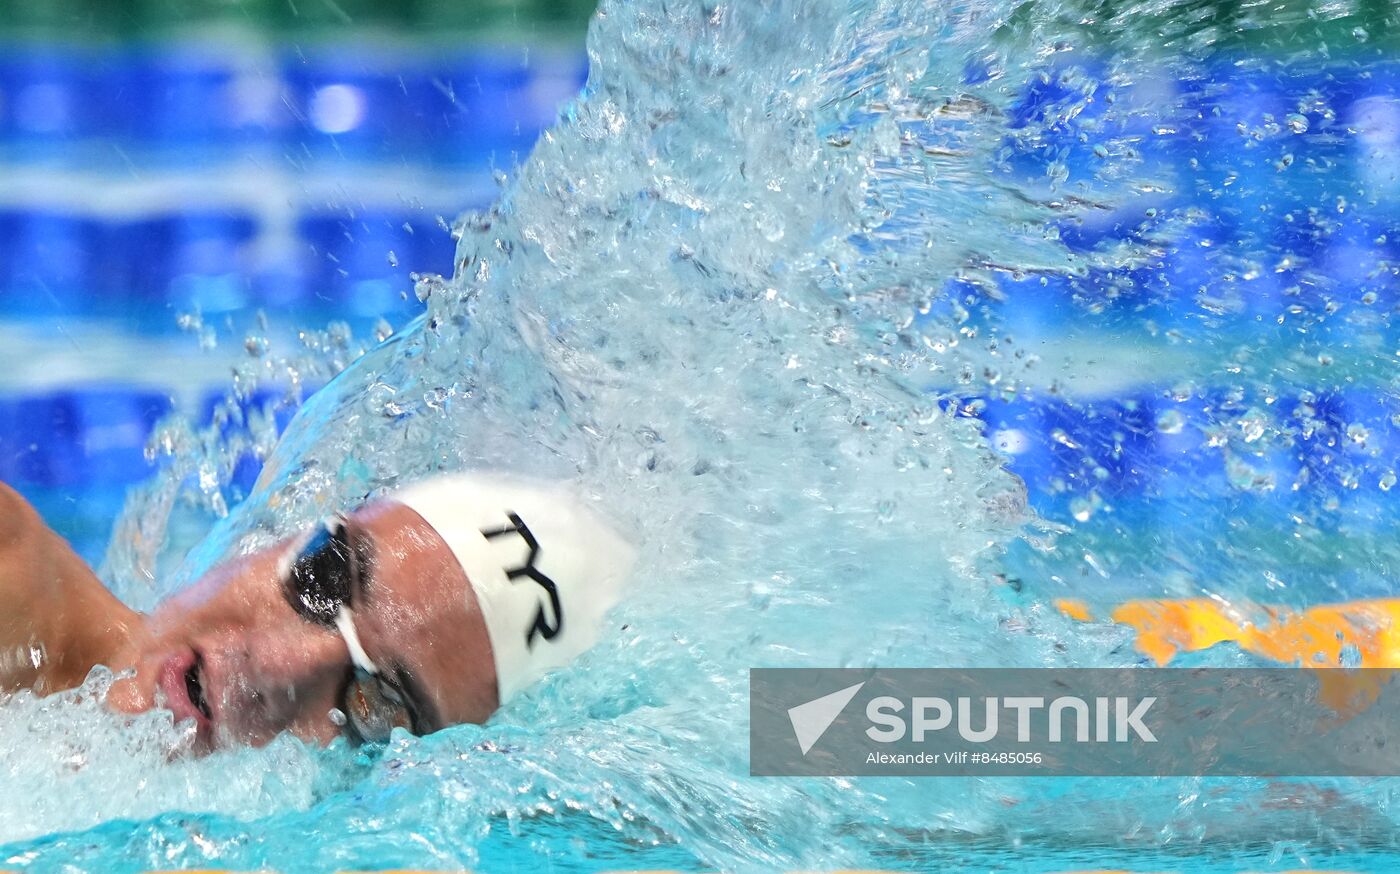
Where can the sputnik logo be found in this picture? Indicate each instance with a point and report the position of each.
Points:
(811, 720)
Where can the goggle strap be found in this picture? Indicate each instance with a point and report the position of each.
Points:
(346, 626)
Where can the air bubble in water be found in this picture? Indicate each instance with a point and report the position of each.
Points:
(1171, 422)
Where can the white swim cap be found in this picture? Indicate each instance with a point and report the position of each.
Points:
(544, 565)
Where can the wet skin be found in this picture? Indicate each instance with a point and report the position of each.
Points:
(232, 654)
(56, 618)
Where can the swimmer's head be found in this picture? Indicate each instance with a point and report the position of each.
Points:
(426, 608)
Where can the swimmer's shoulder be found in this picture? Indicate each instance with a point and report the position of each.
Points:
(24, 538)
(56, 619)
(19, 521)
(24, 598)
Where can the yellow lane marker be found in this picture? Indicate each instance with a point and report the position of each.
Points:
(1314, 638)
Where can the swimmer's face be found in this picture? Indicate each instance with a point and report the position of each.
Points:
(241, 655)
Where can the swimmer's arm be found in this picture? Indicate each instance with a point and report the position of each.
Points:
(56, 618)
(21, 590)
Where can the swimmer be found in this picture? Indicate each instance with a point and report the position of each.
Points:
(425, 608)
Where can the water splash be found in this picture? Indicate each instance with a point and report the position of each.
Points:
(733, 291)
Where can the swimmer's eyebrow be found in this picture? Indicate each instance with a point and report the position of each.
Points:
(362, 546)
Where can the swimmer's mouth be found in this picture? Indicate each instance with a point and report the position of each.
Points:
(194, 685)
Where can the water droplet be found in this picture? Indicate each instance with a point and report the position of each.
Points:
(1171, 422)
(1253, 425)
(336, 716)
(1387, 481)
(1093, 561)
(1358, 434)
(1245, 478)
(339, 334)
(435, 397)
(1297, 123)
(393, 259)
(427, 285)
(1081, 509)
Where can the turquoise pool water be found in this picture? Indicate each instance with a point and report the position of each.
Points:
(888, 323)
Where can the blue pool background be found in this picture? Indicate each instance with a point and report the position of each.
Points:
(157, 194)
(153, 179)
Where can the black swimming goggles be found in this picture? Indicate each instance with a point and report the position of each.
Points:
(320, 579)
